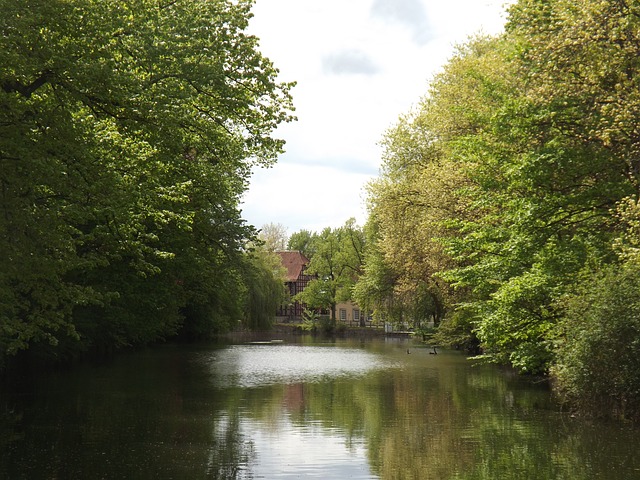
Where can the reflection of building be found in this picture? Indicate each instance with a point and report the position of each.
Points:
(295, 263)
(294, 399)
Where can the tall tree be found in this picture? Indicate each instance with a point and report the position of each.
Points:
(375, 289)
(337, 261)
(264, 277)
(302, 241)
(420, 194)
(523, 147)
(127, 135)
(555, 162)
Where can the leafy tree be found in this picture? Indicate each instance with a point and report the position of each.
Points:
(549, 174)
(598, 345)
(598, 342)
(127, 135)
(337, 261)
(264, 277)
(418, 196)
(513, 163)
(302, 241)
(374, 290)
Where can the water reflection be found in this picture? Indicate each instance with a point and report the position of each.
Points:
(256, 365)
(341, 410)
(292, 450)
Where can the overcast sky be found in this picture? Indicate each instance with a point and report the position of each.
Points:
(359, 65)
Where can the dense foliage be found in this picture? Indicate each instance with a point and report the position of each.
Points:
(336, 259)
(509, 197)
(127, 134)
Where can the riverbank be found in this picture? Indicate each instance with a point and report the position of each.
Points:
(340, 331)
(284, 330)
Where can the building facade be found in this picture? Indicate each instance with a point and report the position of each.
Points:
(351, 314)
(297, 279)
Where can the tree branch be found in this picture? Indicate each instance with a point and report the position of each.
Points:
(10, 86)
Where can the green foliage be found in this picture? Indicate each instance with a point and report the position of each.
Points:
(127, 136)
(338, 256)
(315, 323)
(309, 320)
(544, 180)
(497, 191)
(264, 277)
(302, 241)
(318, 294)
(598, 345)
(458, 331)
(598, 340)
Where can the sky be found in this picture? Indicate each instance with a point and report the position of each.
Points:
(359, 65)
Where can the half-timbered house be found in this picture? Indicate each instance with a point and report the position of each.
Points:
(297, 279)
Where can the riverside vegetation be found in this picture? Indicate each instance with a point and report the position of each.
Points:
(506, 209)
(128, 132)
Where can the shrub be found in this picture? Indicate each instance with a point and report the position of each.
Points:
(598, 350)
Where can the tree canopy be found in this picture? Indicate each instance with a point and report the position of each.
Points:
(336, 257)
(502, 192)
(127, 134)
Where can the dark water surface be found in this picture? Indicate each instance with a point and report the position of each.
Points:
(301, 409)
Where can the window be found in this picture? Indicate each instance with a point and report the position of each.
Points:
(343, 314)
(356, 315)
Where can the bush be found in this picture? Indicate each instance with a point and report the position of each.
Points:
(598, 352)
(457, 331)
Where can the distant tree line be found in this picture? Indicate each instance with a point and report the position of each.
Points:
(128, 131)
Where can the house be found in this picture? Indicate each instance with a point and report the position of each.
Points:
(351, 314)
(297, 279)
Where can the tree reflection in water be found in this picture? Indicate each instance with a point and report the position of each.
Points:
(367, 410)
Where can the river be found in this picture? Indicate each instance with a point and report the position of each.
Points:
(301, 408)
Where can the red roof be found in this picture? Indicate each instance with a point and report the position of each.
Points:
(294, 262)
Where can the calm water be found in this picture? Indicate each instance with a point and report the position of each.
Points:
(301, 409)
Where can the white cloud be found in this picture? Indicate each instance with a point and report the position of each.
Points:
(359, 64)
(349, 62)
(410, 13)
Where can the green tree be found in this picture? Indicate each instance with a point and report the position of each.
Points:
(598, 344)
(264, 277)
(302, 241)
(374, 290)
(127, 136)
(513, 163)
(337, 261)
(420, 193)
(555, 159)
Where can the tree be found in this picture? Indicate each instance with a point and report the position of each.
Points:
(337, 261)
(417, 199)
(374, 290)
(127, 136)
(264, 277)
(598, 347)
(598, 340)
(502, 183)
(302, 241)
(274, 236)
(555, 161)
